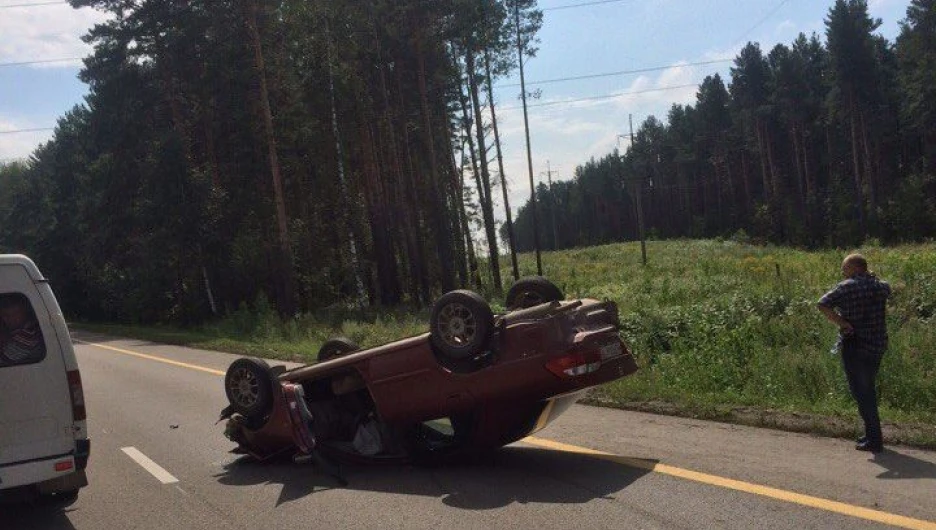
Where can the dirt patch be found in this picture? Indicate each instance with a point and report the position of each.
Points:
(915, 435)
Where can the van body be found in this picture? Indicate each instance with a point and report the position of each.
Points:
(44, 444)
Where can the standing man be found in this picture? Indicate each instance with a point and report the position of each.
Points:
(857, 305)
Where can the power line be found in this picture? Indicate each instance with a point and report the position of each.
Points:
(556, 8)
(606, 96)
(33, 4)
(583, 4)
(17, 131)
(761, 21)
(42, 61)
(620, 72)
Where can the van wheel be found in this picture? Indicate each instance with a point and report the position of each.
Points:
(461, 325)
(531, 291)
(248, 384)
(336, 347)
(63, 499)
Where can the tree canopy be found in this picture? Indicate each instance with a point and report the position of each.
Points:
(300, 151)
(819, 143)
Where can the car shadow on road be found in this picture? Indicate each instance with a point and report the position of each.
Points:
(511, 475)
(39, 514)
(902, 466)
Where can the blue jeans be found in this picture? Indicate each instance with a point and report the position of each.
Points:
(861, 370)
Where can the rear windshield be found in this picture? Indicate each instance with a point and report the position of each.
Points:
(21, 340)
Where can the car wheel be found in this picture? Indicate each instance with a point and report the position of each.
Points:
(64, 499)
(249, 387)
(336, 347)
(461, 325)
(531, 291)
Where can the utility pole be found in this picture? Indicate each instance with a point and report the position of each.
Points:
(638, 191)
(552, 207)
(526, 127)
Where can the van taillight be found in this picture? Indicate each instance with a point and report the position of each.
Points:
(77, 395)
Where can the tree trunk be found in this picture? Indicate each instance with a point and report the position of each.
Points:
(285, 275)
(762, 155)
(746, 180)
(397, 217)
(466, 120)
(487, 207)
(500, 167)
(384, 257)
(441, 226)
(474, 272)
(346, 207)
(870, 173)
(859, 187)
(415, 240)
(779, 206)
(458, 206)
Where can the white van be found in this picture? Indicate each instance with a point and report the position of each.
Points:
(44, 444)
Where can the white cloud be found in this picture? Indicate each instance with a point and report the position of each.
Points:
(880, 4)
(569, 134)
(46, 32)
(785, 29)
(727, 54)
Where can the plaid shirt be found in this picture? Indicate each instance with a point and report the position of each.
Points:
(862, 300)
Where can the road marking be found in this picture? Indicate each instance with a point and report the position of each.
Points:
(685, 474)
(154, 358)
(544, 416)
(154, 469)
(746, 487)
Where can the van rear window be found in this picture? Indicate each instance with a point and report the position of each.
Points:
(21, 340)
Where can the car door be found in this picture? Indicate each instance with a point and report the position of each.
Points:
(35, 405)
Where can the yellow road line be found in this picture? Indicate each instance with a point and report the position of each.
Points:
(746, 487)
(649, 465)
(154, 358)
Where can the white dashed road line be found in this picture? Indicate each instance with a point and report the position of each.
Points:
(154, 469)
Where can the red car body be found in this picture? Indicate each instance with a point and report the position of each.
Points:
(539, 362)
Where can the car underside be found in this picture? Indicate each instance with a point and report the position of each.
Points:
(475, 382)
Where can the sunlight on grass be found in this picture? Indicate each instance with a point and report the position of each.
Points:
(712, 323)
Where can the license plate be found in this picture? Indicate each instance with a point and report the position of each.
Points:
(611, 350)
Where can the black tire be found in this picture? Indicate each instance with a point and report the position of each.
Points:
(336, 347)
(64, 499)
(461, 325)
(531, 291)
(248, 384)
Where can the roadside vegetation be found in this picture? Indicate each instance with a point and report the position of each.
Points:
(721, 330)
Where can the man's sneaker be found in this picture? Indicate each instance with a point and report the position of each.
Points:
(870, 446)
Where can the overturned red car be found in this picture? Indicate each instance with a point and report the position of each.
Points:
(476, 381)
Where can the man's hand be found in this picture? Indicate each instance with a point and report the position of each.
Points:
(845, 326)
(846, 329)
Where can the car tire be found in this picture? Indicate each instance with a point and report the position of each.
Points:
(64, 499)
(461, 325)
(531, 291)
(336, 347)
(248, 384)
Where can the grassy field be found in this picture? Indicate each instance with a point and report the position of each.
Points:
(719, 328)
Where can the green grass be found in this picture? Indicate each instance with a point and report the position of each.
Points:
(258, 331)
(714, 325)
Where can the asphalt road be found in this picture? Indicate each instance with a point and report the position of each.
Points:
(593, 468)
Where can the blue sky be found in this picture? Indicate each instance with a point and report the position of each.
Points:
(594, 39)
